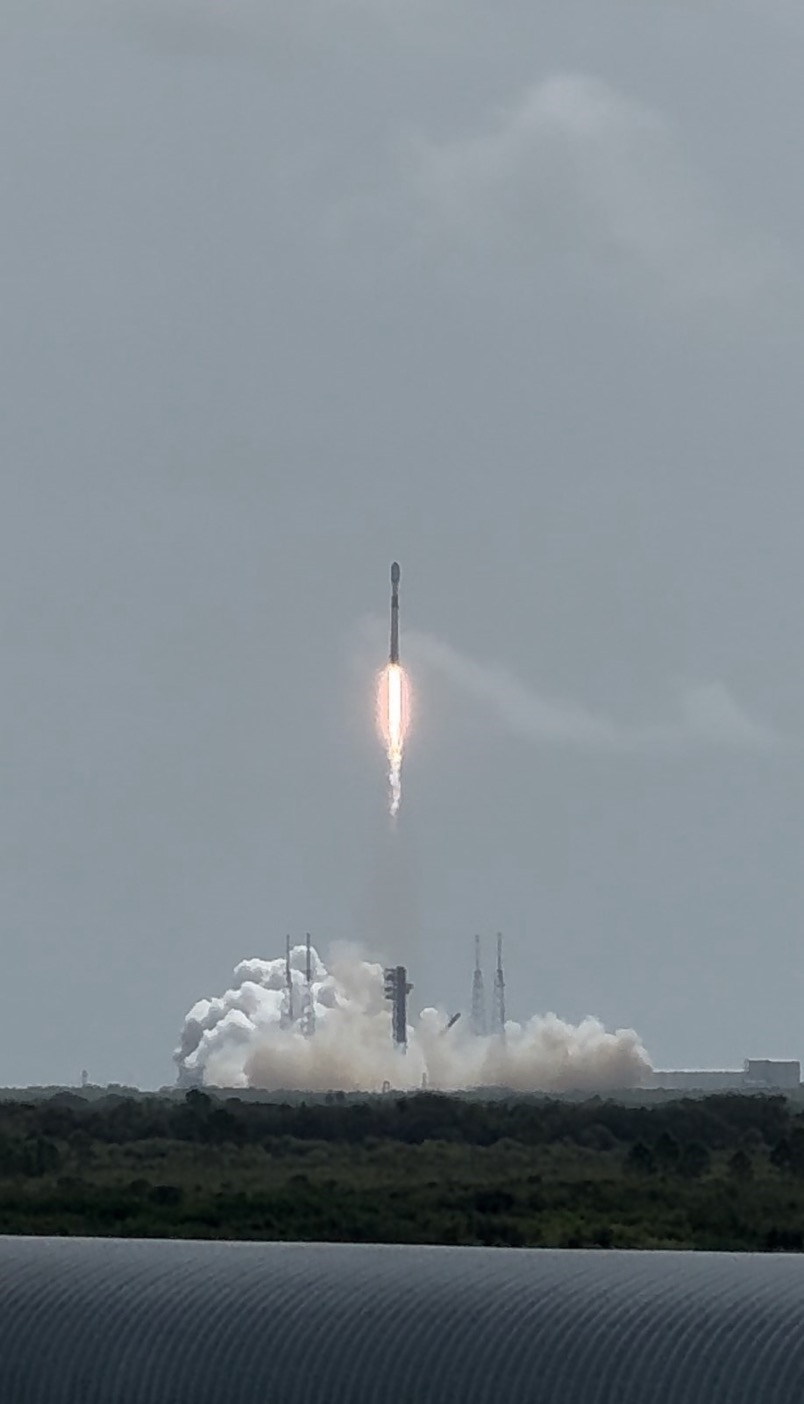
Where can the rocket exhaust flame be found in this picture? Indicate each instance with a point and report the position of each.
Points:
(393, 701)
(393, 715)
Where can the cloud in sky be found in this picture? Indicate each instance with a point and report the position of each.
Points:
(573, 166)
(578, 165)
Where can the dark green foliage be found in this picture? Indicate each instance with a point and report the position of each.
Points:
(723, 1172)
(695, 1160)
(494, 1201)
(641, 1159)
(740, 1166)
(667, 1151)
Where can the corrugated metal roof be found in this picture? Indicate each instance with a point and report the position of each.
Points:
(123, 1322)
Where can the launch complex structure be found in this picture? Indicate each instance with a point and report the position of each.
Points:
(397, 990)
(298, 1005)
(303, 1011)
(479, 1025)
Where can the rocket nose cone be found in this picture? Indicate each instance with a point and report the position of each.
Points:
(395, 573)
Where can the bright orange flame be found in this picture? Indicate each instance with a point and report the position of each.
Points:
(393, 721)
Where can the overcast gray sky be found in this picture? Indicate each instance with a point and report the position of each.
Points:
(511, 292)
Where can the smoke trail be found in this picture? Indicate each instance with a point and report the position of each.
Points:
(705, 715)
(238, 1040)
(393, 720)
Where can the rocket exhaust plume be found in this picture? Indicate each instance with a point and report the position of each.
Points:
(393, 702)
(242, 1039)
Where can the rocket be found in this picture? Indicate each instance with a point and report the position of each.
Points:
(394, 656)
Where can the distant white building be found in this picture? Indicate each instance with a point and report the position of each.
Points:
(758, 1074)
(768, 1072)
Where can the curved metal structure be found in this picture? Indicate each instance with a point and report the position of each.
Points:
(123, 1322)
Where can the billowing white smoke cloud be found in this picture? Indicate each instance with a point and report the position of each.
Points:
(243, 1039)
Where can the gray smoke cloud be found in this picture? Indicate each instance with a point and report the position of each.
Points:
(243, 1039)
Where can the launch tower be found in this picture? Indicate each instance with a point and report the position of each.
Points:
(498, 1001)
(478, 996)
(288, 1016)
(397, 990)
(308, 1003)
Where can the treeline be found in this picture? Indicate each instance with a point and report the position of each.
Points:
(716, 1122)
(724, 1171)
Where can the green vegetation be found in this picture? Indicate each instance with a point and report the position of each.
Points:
(722, 1172)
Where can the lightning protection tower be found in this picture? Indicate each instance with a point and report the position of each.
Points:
(308, 1003)
(397, 990)
(288, 1017)
(498, 1003)
(478, 996)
